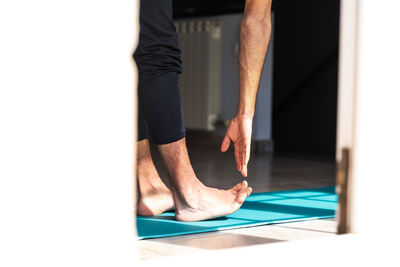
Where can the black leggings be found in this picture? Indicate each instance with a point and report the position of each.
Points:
(160, 111)
(158, 60)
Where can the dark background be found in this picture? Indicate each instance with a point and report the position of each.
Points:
(305, 70)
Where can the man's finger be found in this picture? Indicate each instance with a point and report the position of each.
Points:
(244, 171)
(225, 143)
(247, 155)
(237, 158)
(244, 157)
(243, 162)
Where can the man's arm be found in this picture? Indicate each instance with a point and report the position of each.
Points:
(254, 36)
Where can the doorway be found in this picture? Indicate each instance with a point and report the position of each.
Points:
(297, 149)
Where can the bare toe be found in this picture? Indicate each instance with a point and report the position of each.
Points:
(241, 195)
(249, 190)
(239, 187)
(236, 188)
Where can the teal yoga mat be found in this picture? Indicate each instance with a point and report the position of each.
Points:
(258, 209)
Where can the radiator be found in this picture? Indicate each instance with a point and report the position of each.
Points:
(200, 82)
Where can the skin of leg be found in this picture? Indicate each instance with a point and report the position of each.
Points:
(154, 195)
(193, 200)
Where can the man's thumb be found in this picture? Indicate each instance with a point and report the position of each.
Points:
(225, 143)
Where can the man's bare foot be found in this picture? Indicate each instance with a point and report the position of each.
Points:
(155, 201)
(199, 202)
(193, 200)
(154, 195)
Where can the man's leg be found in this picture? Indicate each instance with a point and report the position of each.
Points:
(160, 102)
(154, 196)
(193, 200)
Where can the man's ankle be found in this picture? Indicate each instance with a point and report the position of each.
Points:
(186, 187)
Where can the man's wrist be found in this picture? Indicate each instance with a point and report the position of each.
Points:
(246, 107)
(245, 113)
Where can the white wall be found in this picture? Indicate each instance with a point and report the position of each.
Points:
(66, 139)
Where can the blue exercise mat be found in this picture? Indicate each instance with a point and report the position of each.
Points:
(258, 209)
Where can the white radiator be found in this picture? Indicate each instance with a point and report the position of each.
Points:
(200, 82)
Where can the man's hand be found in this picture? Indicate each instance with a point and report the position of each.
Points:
(239, 132)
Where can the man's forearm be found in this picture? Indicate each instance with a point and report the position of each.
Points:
(255, 32)
(254, 36)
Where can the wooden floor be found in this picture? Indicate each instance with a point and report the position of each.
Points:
(266, 173)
